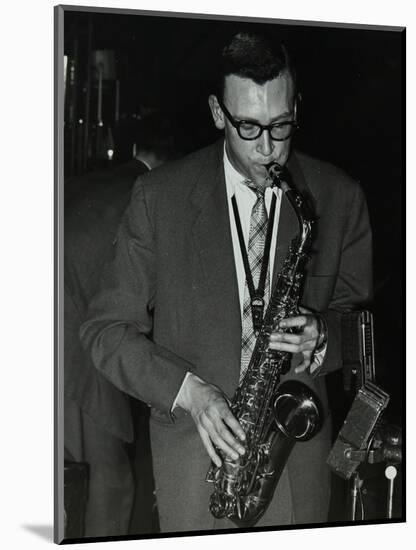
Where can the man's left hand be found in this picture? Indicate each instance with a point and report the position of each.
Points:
(304, 340)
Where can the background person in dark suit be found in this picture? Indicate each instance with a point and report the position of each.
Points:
(104, 428)
(166, 324)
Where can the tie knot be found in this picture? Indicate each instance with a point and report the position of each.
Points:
(259, 191)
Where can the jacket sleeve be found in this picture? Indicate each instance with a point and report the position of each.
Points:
(117, 331)
(353, 285)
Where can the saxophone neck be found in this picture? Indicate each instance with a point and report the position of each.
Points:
(281, 178)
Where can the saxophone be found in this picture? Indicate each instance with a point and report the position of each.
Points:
(273, 417)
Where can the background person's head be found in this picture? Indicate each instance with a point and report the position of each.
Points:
(256, 84)
(155, 141)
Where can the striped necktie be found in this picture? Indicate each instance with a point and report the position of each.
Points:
(255, 250)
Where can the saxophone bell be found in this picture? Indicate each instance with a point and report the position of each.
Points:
(297, 411)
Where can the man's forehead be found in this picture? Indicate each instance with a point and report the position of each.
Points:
(244, 93)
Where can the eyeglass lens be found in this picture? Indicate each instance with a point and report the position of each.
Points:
(251, 130)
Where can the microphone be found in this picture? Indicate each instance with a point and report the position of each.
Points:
(353, 443)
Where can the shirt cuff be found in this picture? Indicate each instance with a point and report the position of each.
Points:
(179, 392)
(320, 351)
(318, 360)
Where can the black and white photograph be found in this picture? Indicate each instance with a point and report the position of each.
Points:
(229, 274)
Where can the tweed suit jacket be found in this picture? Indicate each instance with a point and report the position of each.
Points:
(168, 301)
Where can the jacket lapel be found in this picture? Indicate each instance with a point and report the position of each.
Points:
(213, 243)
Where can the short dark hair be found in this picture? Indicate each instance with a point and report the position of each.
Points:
(255, 56)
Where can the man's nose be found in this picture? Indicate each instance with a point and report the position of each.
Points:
(265, 144)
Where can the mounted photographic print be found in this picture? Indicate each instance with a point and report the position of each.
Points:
(229, 308)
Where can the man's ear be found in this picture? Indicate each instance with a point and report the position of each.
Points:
(216, 112)
(297, 107)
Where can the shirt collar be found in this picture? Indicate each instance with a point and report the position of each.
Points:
(233, 179)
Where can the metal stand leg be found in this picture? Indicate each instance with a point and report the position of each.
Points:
(390, 473)
(356, 484)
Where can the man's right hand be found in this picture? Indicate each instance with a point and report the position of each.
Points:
(216, 424)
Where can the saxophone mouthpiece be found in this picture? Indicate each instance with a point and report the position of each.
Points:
(274, 170)
(276, 175)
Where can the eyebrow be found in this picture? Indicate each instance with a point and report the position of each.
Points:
(281, 117)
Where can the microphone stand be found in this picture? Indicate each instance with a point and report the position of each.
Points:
(357, 483)
(364, 438)
(390, 473)
(385, 446)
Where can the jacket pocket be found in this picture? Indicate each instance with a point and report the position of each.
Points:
(167, 419)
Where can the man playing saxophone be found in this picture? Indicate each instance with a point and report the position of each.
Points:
(198, 251)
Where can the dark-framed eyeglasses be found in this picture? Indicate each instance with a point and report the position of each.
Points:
(249, 130)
